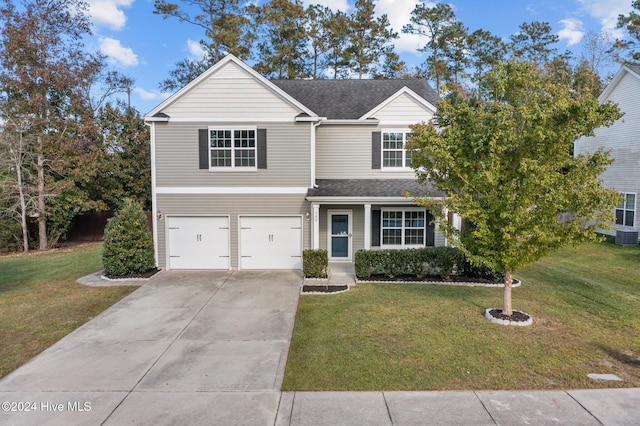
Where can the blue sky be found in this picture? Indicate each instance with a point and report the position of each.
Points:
(146, 47)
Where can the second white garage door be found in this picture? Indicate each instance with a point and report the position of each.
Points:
(270, 242)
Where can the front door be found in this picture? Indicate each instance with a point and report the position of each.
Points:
(339, 235)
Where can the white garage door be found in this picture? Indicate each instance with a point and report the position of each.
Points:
(198, 242)
(270, 242)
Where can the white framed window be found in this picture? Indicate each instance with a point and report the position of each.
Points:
(394, 154)
(626, 210)
(232, 148)
(403, 227)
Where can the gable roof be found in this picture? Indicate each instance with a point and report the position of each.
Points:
(631, 69)
(157, 113)
(351, 99)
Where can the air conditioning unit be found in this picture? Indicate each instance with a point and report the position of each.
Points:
(627, 237)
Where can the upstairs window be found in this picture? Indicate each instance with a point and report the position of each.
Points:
(232, 148)
(394, 154)
(626, 210)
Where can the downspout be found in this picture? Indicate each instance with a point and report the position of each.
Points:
(154, 204)
(314, 126)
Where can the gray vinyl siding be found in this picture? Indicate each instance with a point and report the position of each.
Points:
(403, 110)
(622, 139)
(358, 226)
(344, 152)
(233, 206)
(230, 93)
(288, 156)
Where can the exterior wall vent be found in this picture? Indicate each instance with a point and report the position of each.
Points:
(627, 237)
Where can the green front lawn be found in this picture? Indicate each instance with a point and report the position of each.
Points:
(586, 308)
(40, 302)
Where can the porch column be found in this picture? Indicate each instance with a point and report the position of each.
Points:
(316, 226)
(367, 226)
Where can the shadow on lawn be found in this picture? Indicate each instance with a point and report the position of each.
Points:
(625, 357)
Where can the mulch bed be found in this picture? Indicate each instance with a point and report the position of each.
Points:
(323, 288)
(517, 316)
(413, 278)
(148, 274)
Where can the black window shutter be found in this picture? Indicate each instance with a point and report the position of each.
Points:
(376, 147)
(375, 228)
(203, 148)
(262, 148)
(431, 230)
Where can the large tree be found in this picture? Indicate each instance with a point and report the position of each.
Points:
(441, 28)
(226, 30)
(534, 43)
(370, 41)
(282, 45)
(631, 24)
(504, 161)
(43, 67)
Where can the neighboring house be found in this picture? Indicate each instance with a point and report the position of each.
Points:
(622, 139)
(247, 172)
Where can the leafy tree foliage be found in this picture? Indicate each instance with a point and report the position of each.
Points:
(444, 33)
(226, 28)
(631, 24)
(533, 43)
(370, 39)
(128, 246)
(43, 67)
(504, 160)
(282, 45)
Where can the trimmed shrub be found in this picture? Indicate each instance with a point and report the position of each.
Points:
(483, 272)
(128, 245)
(439, 262)
(315, 263)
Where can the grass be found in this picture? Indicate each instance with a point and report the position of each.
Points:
(586, 308)
(40, 302)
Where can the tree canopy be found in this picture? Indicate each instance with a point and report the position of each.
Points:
(504, 160)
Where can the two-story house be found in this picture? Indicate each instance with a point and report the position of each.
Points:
(622, 140)
(248, 172)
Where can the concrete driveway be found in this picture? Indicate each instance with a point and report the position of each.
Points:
(186, 348)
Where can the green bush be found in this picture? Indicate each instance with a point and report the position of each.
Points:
(315, 263)
(439, 262)
(128, 245)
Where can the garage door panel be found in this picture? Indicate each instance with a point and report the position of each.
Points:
(270, 242)
(199, 242)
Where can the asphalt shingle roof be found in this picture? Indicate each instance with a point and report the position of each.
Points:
(372, 188)
(350, 99)
(634, 67)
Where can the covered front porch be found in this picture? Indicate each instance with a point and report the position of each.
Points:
(350, 215)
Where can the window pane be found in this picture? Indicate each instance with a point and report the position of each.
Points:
(628, 218)
(339, 224)
(414, 236)
(392, 159)
(619, 217)
(245, 158)
(631, 201)
(221, 158)
(392, 236)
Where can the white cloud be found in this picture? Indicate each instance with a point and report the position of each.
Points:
(109, 13)
(117, 53)
(399, 14)
(607, 11)
(195, 49)
(572, 31)
(149, 96)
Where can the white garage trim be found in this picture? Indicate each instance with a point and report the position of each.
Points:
(199, 241)
(270, 241)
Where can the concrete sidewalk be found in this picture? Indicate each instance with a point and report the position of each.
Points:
(210, 348)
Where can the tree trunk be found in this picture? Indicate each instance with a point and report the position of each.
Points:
(23, 211)
(508, 280)
(42, 207)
